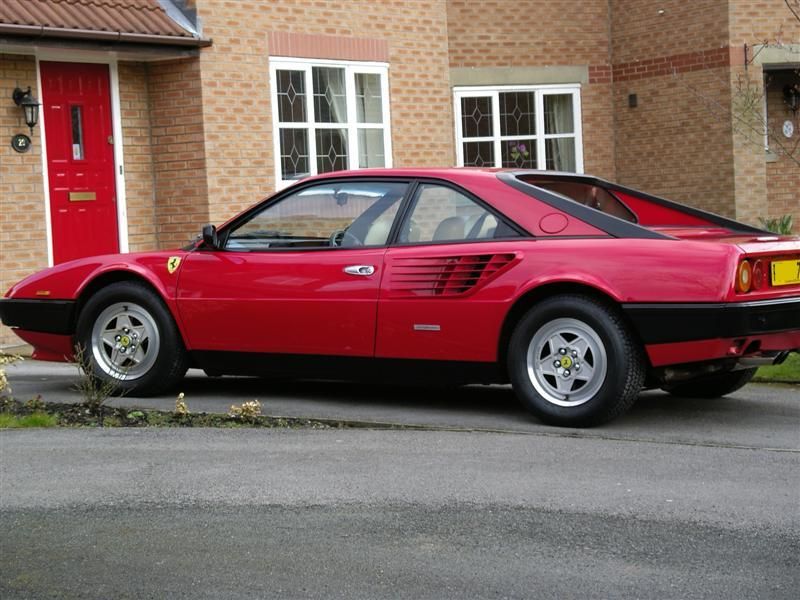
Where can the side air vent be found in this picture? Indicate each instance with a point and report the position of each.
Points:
(445, 275)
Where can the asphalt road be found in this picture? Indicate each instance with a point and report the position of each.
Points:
(677, 499)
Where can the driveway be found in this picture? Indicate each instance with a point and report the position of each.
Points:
(677, 499)
(758, 416)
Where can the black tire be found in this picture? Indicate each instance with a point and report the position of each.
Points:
(712, 386)
(607, 393)
(164, 360)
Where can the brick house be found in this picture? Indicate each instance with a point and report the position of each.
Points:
(158, 116)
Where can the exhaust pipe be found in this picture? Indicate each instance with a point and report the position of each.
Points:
(747, 362)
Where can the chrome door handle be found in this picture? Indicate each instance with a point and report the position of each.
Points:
(364, 270)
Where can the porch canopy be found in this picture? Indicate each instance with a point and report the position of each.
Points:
(122, 25)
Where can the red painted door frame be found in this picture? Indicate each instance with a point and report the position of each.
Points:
(76, 104)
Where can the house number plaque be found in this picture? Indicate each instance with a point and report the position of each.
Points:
(21, 143)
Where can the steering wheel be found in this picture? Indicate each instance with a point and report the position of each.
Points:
(338, 239)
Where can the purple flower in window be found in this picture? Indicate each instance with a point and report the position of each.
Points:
(518, 151)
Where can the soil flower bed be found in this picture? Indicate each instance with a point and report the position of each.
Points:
(78, 415)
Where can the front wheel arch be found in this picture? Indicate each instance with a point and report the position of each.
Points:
(155, 319)
(111, 277)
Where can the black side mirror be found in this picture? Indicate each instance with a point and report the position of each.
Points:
(210, 236)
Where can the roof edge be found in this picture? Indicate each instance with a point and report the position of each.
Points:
(39, 31)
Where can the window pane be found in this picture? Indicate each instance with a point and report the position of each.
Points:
(369, 104)
(330, 105)
(324, 216)
(77, 133)
(443, 214)
(291, 96)
(560, 154)
(478, 154)
(518, 113)
(476, 117)
(519, 154)
(558, 116)
(370, 148)
(331, 150)
(294, 153)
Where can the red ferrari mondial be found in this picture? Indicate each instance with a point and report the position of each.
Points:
(578, 291)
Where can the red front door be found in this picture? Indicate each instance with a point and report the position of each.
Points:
(76, 102)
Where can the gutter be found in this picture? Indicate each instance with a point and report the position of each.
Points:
(39, 31)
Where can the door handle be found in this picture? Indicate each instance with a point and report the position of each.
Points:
(365, 270)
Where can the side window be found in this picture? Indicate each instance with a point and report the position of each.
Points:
(442, 214)
(589, 195)
(346, 214)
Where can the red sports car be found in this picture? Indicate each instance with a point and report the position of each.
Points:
(578, 291)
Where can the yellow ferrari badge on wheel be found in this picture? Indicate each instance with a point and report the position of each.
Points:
(173, 263)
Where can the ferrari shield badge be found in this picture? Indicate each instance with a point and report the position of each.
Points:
(173, 263)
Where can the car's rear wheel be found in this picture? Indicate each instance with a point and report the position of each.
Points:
(712, 386)
(573, 362)
(127, 337)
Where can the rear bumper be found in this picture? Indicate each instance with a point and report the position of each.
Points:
(42, 316)
(682, 333)
(666, 323)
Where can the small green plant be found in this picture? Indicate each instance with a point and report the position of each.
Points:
(94, 391)
(36, 419)
(248, 411)
(780, 225)
(35, 404)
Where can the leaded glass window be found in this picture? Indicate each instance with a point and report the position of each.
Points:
(329, 117)
(526, 127)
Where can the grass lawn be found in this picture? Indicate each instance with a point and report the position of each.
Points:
(788, 372)
(37, 419)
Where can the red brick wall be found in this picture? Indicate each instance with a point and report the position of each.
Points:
(678, 141)
(23, 233)
(178, 148)
(137, 147)
(532, 33)
(783, 175)
(239, 148)
(757, 21)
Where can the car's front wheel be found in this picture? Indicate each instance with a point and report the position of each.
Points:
(573, 362)
(127, 337)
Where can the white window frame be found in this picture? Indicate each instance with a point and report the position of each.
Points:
(540, 91)
(351, 68)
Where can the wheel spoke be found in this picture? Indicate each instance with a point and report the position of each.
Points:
(563, 385)
(124, 320)
(586, 373)
(138, 355)
(546, 366)
(109, 338)
(581, 345)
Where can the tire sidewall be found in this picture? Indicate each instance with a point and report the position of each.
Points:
(611, 335)
(170, 351)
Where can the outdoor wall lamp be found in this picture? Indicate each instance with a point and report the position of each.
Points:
(29, 105)
(791, 96)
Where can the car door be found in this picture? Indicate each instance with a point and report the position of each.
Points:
(437, 298)
(298, 276)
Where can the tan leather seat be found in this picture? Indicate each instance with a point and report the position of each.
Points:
(452, 228)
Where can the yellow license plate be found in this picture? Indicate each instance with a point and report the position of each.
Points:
(786, 272)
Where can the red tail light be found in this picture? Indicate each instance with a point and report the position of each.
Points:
(759, 275)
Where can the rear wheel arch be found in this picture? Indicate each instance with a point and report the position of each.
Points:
(527, 300)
